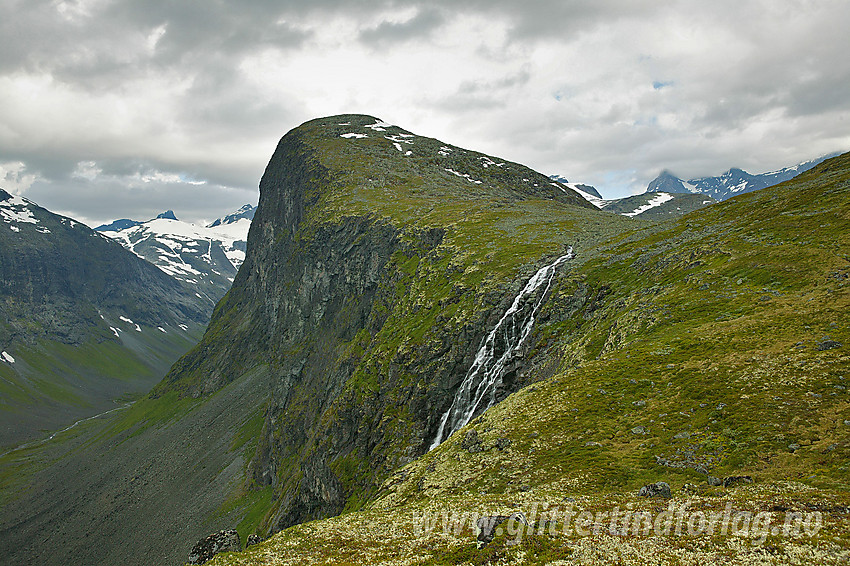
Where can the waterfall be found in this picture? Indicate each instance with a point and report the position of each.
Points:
(485, 375)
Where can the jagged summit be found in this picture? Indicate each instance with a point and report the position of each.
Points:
(167, 215)
(245, 212)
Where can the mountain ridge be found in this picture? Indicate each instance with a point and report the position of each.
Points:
(732, 182)
(206, 257)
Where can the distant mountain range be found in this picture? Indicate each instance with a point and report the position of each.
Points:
(82, 321)
(731, 183)
(668, 195)
(653, 206)
(206, 257)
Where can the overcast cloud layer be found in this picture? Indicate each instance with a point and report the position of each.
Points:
(123, 108)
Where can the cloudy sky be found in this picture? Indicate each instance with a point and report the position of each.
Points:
(123, 108)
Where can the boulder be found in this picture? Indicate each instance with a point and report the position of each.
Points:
(486, 527)
(658, 489)
(253, 539)
(206, 548)
(828, 345)
(471, 442)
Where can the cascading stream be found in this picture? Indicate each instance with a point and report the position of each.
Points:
(506, 339)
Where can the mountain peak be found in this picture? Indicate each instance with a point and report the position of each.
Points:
(732, 182)
(666, 182)
(246, 211)
(167, 215)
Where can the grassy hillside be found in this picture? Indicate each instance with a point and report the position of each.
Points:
(711, 350)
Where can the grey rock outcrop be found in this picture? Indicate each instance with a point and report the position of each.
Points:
(658, 489)
(488, 527)
(206, 548)
(471, 443)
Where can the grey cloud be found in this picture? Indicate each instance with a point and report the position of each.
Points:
(422, 24)
(102, 200)
(798, 73)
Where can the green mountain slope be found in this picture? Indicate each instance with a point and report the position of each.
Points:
(82, 321)
(716, 347)
(663, 351)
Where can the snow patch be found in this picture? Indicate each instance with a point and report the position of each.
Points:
(463, 175)
(657, 200)
(16, 209)
(8, 357)
(138, 328)
(115, 331)
(487, 162)
(354, 135)
(401, 138)
(127, 320)
(379, 126)
(161, 329)
(690, 187)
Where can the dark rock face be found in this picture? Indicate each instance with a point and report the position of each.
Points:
(308, 300)
(658, 489)
(488, 527)
(206, 548)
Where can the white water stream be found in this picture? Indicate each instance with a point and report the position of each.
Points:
(478, 388)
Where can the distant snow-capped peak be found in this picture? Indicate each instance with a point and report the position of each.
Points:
(205, 256)
(246, 212)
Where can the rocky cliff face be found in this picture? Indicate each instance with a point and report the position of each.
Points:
(366, 311)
